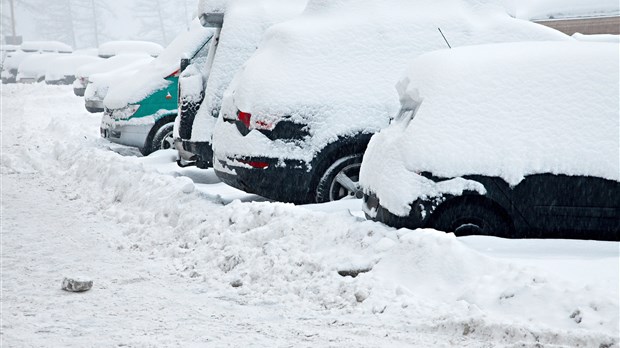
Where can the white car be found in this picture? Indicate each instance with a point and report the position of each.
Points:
(63, 71)
(32, 68)
(12, 61)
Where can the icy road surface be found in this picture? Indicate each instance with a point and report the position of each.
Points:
(179, 259)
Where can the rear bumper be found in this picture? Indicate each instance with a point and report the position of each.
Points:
(281, 180)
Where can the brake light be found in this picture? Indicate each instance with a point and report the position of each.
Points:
(245, 118)
(256, 164)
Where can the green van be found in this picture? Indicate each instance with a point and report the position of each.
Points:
(139, 111)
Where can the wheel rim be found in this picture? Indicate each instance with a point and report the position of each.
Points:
(346, 183)
(466, 227)
(167, 142)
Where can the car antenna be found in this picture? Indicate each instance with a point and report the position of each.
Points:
(444, 38)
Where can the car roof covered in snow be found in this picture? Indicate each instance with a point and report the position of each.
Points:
(112, 48)
(112, 63)
(45, 46)
(67, 65)
(504, 110)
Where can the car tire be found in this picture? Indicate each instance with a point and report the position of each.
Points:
(162, 139)
(473, 218)
(330, 187)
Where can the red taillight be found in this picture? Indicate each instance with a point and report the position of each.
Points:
(245, 118)
(255, 164)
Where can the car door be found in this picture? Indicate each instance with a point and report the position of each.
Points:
(569, 206)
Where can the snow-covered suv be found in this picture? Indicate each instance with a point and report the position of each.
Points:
(296, 120)
(512, 140)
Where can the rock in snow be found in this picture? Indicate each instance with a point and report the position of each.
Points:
(73, 285)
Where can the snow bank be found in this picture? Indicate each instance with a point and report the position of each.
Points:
(597, 37)
(546, 9)
(113, 48)
(151, 77)
(505, 110)
(244, 24)
(67, 66)
(334, 67)
(273, 255)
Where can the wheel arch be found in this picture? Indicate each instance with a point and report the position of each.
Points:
(167, 118)
(472, 198)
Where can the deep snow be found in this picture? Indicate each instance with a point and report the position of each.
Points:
(177, 263)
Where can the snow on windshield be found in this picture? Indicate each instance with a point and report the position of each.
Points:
(151, 77)
(244, 24)
(112, 48)
(506, 110)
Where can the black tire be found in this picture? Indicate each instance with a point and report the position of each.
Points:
(473, 218)
(162, 139)
(329, 189)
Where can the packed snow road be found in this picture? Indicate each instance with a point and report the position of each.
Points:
(179, 259)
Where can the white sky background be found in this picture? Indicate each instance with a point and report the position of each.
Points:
(123, 25)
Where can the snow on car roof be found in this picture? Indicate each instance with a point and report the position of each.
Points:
(67, 65)
(245, 22)
(151, 77)
(50, 46)
(111, 63)
(335, 66)
(112, 48)
(547, 9)
(503, 110)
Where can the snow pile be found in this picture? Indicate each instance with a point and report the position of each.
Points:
(266, 255)
(505, 110)
(113, 48)
(212, 6)
(152, 77)
(597, 37)
(334, 67)
(67, 65)
(245, 22)
(548, 9)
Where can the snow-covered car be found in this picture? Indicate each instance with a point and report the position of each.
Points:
(32, 68)
(117, 62)
(99, 84)
(11, 64)
(140, 111)
(302, 110)
(5, 50)
(113, 48)
(244, 23)
(512, 140)
(63, 71)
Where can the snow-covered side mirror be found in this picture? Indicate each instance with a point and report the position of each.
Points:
(212, 20)
(185, 62)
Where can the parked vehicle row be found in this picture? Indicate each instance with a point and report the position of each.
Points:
(287, 97)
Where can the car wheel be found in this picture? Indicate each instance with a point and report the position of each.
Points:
(467, 218)
(341, 180)
(162, 140)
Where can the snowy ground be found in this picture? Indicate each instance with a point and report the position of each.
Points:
(179, 259)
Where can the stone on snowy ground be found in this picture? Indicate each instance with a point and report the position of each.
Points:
(73, 285)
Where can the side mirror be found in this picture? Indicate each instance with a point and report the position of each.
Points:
(185, 62)
(212, 20)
